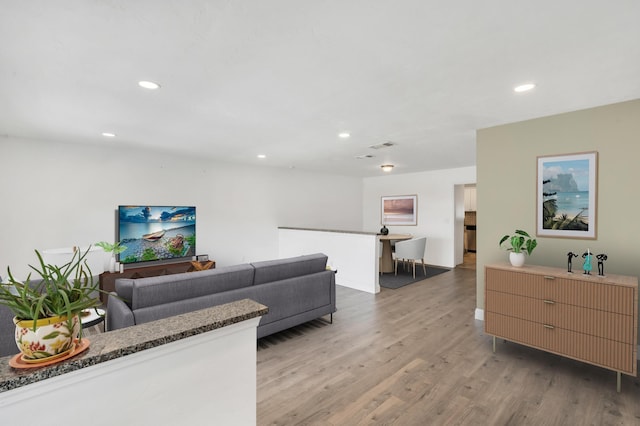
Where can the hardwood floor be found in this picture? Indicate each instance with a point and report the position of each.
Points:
(416, 356)
(468, 261)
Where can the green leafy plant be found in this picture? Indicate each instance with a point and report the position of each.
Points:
(175, 251)
(552, 220)
(520, 241)
(115, 248)
(61, 291)
(149, 254)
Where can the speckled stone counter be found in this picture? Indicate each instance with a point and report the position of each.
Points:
(126, 341)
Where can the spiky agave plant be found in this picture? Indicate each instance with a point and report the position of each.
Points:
(61, 291)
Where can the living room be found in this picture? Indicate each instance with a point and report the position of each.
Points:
(58, 193)
(85, 211)
(239, 207)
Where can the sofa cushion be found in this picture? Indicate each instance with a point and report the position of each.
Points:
(151, 291)
(293, 296)
(284, 298)
(282, 269)
(152, 313)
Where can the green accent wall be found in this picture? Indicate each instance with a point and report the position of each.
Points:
(506, 186)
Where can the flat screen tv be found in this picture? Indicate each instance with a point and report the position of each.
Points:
(156, 233)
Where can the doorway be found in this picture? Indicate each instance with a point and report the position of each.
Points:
(469, 226)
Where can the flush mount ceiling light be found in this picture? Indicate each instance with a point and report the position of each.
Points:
(387, 167)
(524, 87)
(148, 85)
(108, 135)
(344, 135)
(262, 156)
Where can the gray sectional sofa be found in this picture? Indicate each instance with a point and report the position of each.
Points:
(7, 331)
(295, 290)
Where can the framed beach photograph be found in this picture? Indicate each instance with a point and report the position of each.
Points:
(400, 210)
(567, 195)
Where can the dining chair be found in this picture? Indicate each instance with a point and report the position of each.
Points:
(411, 250)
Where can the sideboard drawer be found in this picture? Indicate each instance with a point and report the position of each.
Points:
(595, 350)
(594, 322)
(591, 292)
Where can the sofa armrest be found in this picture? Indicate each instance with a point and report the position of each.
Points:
(119, 315)
(7, 332)
(333, 291)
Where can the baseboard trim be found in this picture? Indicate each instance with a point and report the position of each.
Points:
(480, 314)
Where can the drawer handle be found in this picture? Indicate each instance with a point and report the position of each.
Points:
(550, 327)
(549, 277)
(549, 302)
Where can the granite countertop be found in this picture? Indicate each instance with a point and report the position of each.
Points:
(126, 341)
(329, 230)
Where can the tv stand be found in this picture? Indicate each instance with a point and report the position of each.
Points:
(108, 279)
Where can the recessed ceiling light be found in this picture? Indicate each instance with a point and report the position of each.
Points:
(108, 135)
(387, 167)
(148, 85)
(524, 87)
(344, 135)
(262, 156)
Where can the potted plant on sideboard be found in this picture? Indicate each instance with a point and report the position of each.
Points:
(520, 242)
(47, 310)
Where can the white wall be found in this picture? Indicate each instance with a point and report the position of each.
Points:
(58, 195)
(354, 255)
(458, 232)
(436, 207)
(171, 384)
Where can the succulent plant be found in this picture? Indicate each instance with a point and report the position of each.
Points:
(61, 290)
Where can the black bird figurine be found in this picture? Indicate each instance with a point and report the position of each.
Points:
(601, 258)
(570, 256)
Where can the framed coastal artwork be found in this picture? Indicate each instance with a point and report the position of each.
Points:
(567, 195)
(400, 210)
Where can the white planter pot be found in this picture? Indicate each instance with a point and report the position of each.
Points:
(112, 264)
(53, 337)
(516, 259)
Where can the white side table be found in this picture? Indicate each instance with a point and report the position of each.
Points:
(91, 317)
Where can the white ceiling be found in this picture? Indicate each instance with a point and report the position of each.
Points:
(284, 77)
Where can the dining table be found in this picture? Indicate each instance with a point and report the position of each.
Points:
(386, 258)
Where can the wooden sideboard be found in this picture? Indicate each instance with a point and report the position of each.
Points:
(108, 279)
(588, 318)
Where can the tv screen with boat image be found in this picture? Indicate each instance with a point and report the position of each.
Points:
(152, 233)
